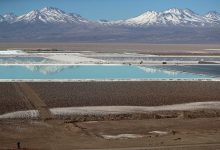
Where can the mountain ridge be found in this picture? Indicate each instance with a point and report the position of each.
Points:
(173, 16)
(54, 25)
(50, 15)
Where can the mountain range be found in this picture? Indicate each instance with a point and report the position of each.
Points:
(170, 26)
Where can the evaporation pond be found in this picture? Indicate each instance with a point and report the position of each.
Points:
(93, 72)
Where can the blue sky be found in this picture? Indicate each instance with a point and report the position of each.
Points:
(108, 9)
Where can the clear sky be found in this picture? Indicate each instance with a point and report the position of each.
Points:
(108, 9)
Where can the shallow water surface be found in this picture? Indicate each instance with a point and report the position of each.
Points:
(211, 70)
(93, 72)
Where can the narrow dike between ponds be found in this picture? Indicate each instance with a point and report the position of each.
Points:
(36, 101)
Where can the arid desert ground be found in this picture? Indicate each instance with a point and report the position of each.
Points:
(193, 128)
(110, 115)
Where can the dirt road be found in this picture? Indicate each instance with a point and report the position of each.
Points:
(35, 100)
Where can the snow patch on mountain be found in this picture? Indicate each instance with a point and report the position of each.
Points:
(51, 15)
(150, 17)
(174, 16)
(10, 17)
(213, 17)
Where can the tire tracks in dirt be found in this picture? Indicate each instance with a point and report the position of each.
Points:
(23, 96)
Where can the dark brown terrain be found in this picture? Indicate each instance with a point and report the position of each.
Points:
(125, 93)
(12, 98)
(188, 130)
(149, 93)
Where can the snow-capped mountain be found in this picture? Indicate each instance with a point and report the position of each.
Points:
(169, 26)
(174, 16)
(10, 17)
(213, 17)
(50, 15)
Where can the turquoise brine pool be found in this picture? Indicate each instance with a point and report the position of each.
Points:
(93, 72)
